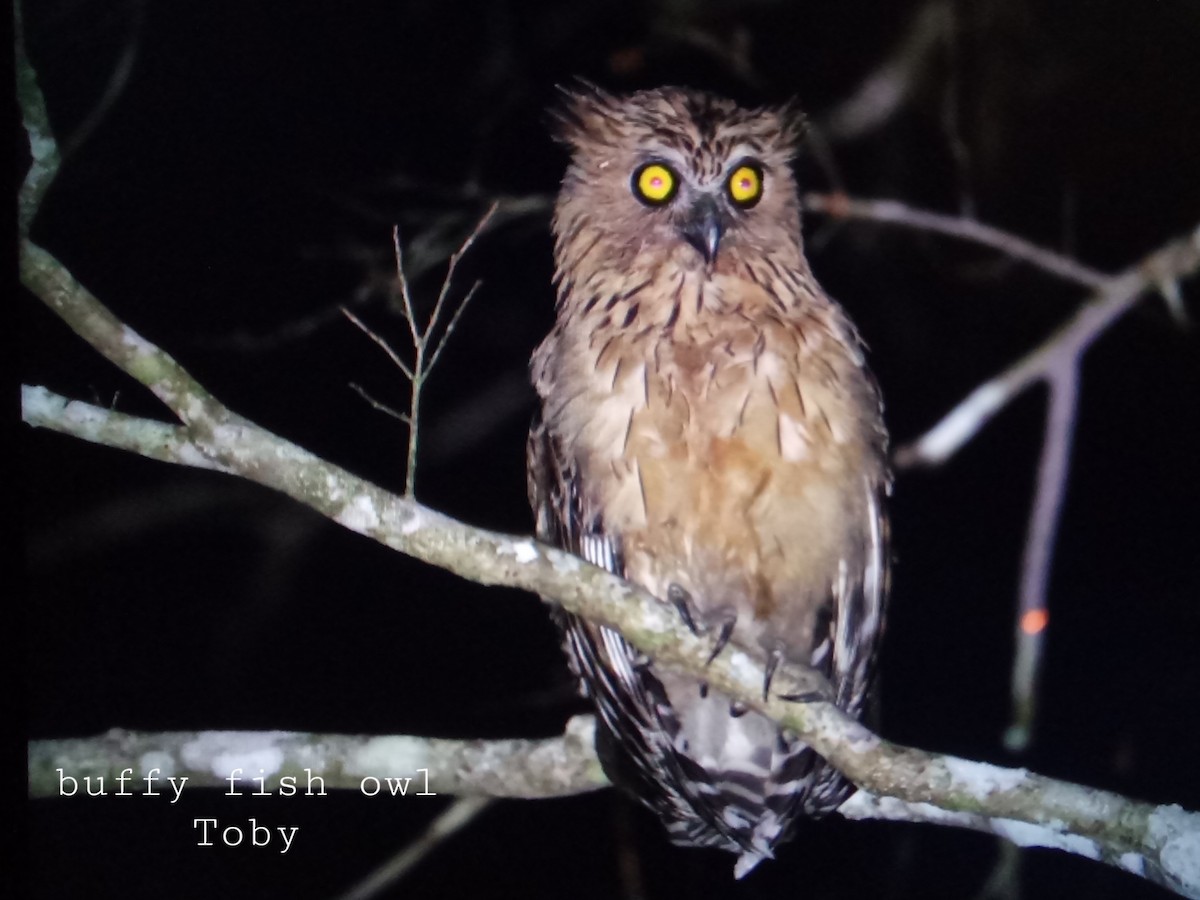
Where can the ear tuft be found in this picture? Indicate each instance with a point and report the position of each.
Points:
(793, 125)
(583, 112)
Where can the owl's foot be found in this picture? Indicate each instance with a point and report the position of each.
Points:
(724, 633)
(680, 598)
(773, 660)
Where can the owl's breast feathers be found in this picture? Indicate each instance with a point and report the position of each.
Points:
(717, 432)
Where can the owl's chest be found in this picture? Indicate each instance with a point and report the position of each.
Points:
(673, 399)
(713, 424)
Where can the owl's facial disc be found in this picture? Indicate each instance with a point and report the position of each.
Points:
(702, 226)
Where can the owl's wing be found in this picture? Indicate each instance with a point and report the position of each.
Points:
(637, 720)
(859, 619)
(846, 656)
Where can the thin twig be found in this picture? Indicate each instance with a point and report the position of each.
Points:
(449, 822)
(455, 259)
(410, 315)
(117, 82)
(885, 90)
(427, 345)
(387, 348)
(1178, 259)
(378, 405)
(959, 227)
(441, 345)
(1056, 361)
(1062, 382)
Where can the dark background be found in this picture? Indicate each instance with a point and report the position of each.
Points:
(242, 183)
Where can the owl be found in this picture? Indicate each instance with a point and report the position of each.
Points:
(709, 430)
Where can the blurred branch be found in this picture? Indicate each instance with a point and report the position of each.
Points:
(1062, 382)
(457, 816)
(435, 240)
(891, 212)
(880, 95)
(43, 149)
(1177, 260)
(1114, 296)
(884, 92)
(730, 48)
(117, 82)
(1055, 362)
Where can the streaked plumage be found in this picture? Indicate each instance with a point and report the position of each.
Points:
(709, 430)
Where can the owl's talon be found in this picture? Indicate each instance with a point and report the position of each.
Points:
(773, 660)
(723, 637)
(822, 693)
(681, 599)
(805, 697)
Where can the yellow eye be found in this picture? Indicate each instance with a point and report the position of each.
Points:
(745, 185)
(655, 183)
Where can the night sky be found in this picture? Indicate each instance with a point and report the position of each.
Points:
(241, 179)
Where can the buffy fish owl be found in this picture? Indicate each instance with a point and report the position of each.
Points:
(709, 430)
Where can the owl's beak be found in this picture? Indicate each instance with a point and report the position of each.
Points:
(702, 227)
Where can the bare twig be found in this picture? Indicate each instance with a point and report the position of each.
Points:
(1062, 382)
(1178, 259)
(729, 49)
(887, 88)
(378, 405)
(117, 82)
(427, 345)
(1056, 362)
(457, 816)
(960, 228)
(387, 348)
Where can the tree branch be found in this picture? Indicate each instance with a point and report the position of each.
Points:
(450, 821)
(1103, 825)
(892, 212)
(553, 767)
(1177, 260)
(1056, 362)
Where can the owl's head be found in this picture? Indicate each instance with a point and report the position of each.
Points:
(686, 175)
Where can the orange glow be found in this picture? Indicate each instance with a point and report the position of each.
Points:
(1034, 621)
